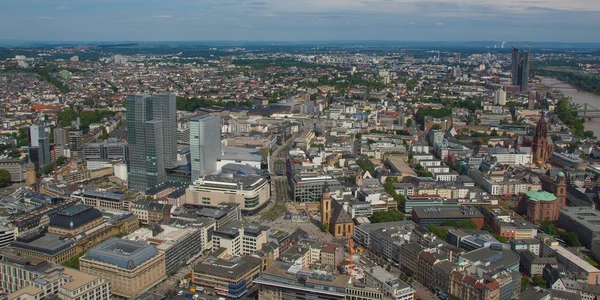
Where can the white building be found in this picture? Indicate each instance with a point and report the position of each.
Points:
(500, 97)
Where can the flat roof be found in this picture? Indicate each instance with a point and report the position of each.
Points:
(122, 253)
(222, 267)
(400, 165)
(443, 212)
(587, 217)
(77, 279)
(562, 251)
(491, 259)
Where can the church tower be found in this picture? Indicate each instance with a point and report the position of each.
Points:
(325, 206)
(540, 140)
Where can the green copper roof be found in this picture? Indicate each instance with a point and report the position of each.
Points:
(540, 196)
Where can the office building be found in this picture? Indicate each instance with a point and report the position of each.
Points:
(60, 137)
(520, 69)
(131, 266)
(391, 285)
(227, 277)
(500, 97)
(147, 139)
(39, 136)
(205, 145)
(164, 108)
(584, 221)
(240, 238)
(438, 215)
(47, 246)
(251, 192)
(107, 150)
(105, 200)
(17, 167)
(33, 278)
(8, 233)
(180, 241)
(75, 139)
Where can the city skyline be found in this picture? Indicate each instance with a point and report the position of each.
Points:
(111, 20)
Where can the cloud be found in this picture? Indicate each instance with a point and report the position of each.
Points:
(301, 19)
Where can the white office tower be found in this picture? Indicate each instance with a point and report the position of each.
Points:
(205, 145)
(500, 97)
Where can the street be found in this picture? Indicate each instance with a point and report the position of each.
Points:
(422, 292)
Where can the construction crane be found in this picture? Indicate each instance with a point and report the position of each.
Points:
(351, 249)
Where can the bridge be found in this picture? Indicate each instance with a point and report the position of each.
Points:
(563, 86)
(588, 112)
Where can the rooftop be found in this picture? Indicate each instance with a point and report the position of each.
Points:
(221, 267)
(462, 211)
(122, 253)
(540, 196)
(585, 216)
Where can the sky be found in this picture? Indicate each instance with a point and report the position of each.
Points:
(300, 20)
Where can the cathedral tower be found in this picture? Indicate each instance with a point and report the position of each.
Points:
(325, 206)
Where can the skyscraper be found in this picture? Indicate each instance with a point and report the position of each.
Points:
(147, 139)
(164, 108)
(205, 145)
(520, 69)
(60, 137)
(39, 139)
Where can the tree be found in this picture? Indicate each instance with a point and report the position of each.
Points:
(4, 178)
(409, 122)
(325, 227)
(467, 224)
(358, 136)
(549, 228)
(60, 160)
(436, 127)
(387, 216)
(440, 232)
(494, 132)
(15, 154)
(540, 282)
(525, 282)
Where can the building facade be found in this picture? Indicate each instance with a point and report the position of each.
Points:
(132, 267)
(205, 145)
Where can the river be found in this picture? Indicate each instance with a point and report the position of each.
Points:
(579, 97)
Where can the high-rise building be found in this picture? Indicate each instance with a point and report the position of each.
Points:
(146, 116)
(164, 108)
(39, 136)
(500, 97)
(60, 137)
(520, 69)
(75, 139)
(205, 145)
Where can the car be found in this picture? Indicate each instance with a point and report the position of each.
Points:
(179, 293)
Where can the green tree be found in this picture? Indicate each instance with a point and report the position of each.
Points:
(325, 227)
(467, 224)
(494, 132)
(15, 154)
(539, 281)
(409, 122)
(387, 216)
(525, 282)
(436, 127)
(440, 232)
(549, 228)
(5, 178)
